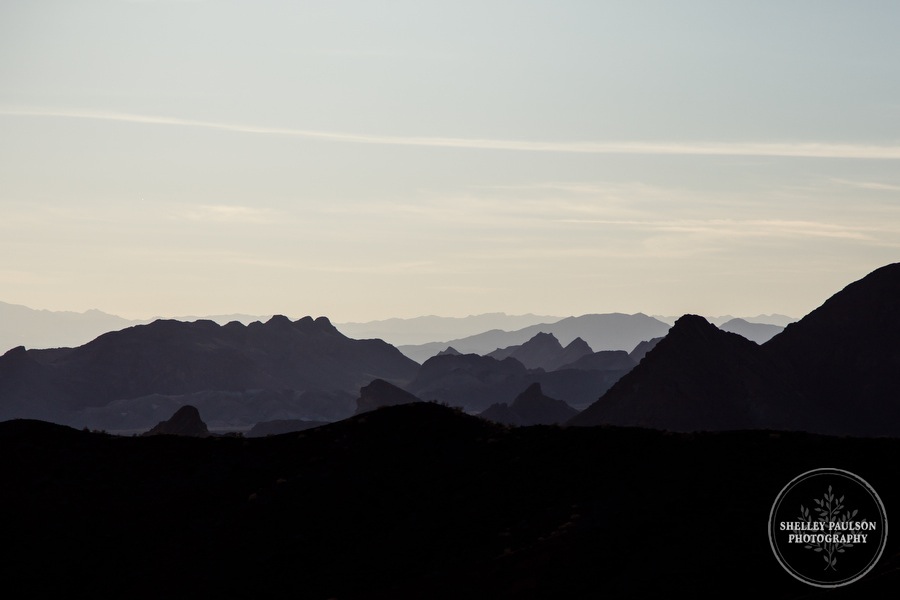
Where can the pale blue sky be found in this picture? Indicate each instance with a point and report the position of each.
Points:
(370, 159)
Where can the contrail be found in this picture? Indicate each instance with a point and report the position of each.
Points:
(774, 149)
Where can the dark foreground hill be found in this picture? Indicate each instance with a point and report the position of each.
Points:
(414, 501)
(836, 371)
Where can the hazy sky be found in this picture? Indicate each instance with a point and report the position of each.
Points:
(366, 159)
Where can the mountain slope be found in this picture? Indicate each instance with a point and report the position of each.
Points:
(835, 371)
(698, 378)
(411, 502)
(174, 358)
(531, 407)
(613, 331)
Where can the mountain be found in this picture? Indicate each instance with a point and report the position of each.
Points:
(836, 371)
(468, 380)
(755, 332)
(475, 382)
(544, 351)
(421, 330)
(697, 378)
(605, 360)
(23, 326)
(845, 355)
(379, 394)
(773, 319)
(224, 410)
(281, 426)
(186, 421)
(531, 407)
(411, 502)
(641, 350)
(173, 359)
(614, 331)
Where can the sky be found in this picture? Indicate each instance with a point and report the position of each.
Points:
(373, 159)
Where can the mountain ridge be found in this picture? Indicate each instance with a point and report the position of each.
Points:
(836, 371)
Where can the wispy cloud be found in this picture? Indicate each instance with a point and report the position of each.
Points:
(733, 228)
(868, 185)
(774, 149)
(228, 214)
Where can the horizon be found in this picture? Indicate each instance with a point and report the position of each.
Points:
(297, 316)
(170, 157)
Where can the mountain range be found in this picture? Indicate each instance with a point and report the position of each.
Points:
(276, 370)
(836, 371)
(613, 331)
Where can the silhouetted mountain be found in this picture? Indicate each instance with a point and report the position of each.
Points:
(422, 330)
(222, 410)
(379, 394)
(281, 426)
(773, 319)
(577, 349)
(835, 371)
(531, 407)
(534, 353)
(755, 332)
(641, 350)
(449, 350)
(468, 380)
(412, 502)
(613, 331)
(698, 378)
(23, 326)
(605, 360)
(186, 421)
(476, 382)
(543, 351)
(845, 355)
(174, 359)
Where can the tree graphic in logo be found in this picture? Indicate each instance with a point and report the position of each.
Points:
(829, 511)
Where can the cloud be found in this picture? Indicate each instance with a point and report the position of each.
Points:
(228, 214)
(773, 149)
(868, 185)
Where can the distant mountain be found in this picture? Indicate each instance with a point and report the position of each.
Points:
(614, 331)
(773, 319)
(421, 330)
(641, 350)
(379, 393)
(224, 410)
(836, 371)
(186, 421)
(475, 382)
(531, 407)
(469, 380)
(173, 359)
(23, 326)
(544, 351)
(755, 332)
(605, 360)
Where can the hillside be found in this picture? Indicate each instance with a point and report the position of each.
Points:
(415, 501)
(836, 371)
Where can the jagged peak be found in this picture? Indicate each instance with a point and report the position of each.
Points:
(532, 391)
(579, 344)
(16, 352)
(278, 321)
